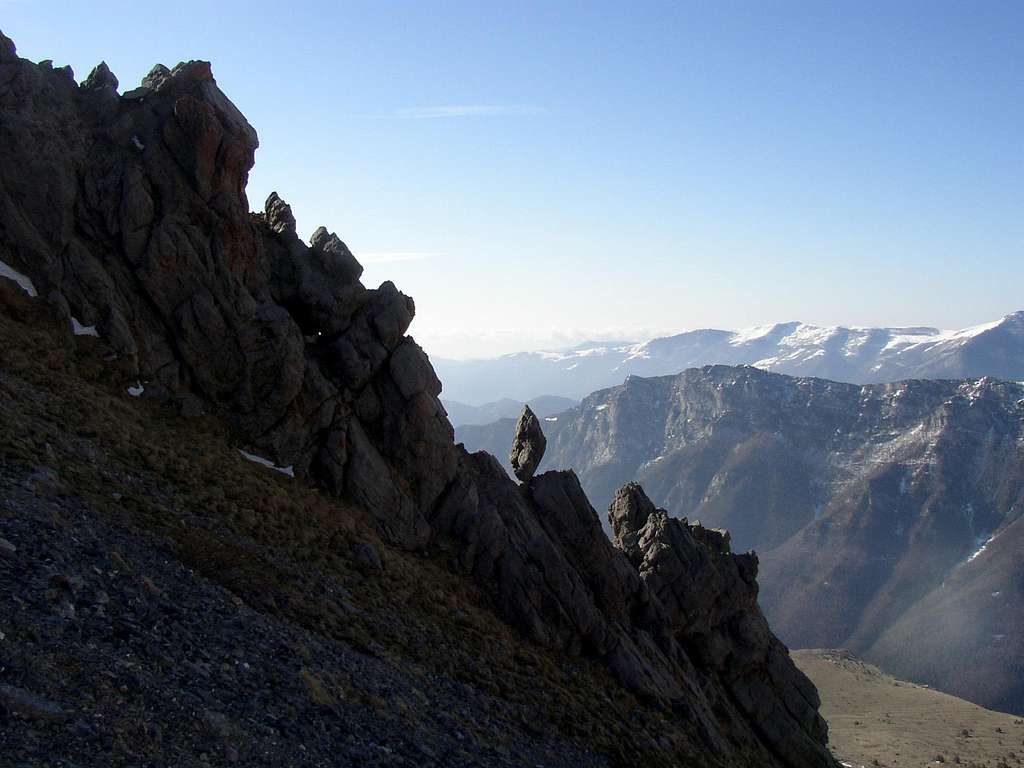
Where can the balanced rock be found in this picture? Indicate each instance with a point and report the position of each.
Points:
(527, 446)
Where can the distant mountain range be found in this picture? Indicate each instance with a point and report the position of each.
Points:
(887, 516)
(506, 408)
(857, 355)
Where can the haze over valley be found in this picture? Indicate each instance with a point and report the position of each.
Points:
(856, 355)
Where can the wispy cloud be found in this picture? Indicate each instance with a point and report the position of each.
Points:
(468, 110)
(390, 257)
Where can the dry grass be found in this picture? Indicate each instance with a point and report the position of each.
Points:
(875, 719)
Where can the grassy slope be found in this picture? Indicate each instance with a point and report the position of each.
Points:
(875, 717)
(280, 546)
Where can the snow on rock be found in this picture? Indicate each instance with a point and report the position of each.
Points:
(981, 549)
(136, 389)
(83, 330)
(267, 463)
(6, 270)
(747, 335)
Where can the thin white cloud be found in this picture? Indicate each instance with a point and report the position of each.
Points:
(468, 110)
(390, 257)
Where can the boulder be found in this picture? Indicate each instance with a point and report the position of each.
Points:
(528, 445)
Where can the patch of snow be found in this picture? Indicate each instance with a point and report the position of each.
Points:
(638, 351)
(996, 593)
(805, 335)
(83, 330)
(975, 330)
(982, 548)
(136, 389)
(854, 345)
(601, 407)
(138, 144)
(267, 463)
(592, 352)
(750, 334)
(550, 418)
(906, 341)
(26, 284)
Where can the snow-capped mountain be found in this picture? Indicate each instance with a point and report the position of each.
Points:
(856, 355)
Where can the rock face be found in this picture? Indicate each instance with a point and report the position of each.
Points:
(128, 214)
(710, 596)
(131, 210)
(866, 504)
(528, 445)
(669, 608)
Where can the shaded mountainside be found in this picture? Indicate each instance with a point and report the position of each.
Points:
(870, 505)
(860, 355)
(506, 408)
(132, 266)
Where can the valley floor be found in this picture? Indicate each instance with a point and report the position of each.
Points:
(875, 719)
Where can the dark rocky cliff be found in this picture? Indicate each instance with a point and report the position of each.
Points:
(127, 212)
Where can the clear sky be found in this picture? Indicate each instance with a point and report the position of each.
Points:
(539, 173)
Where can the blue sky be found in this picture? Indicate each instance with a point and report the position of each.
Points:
(539, 173)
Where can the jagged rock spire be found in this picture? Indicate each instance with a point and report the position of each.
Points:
(338, 256)
(527, 446)
(279, 214)
(100, 77)
(627, 515)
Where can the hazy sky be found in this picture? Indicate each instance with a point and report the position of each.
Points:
(539, 173)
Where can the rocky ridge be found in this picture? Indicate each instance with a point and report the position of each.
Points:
(885, 515)
(127, 216)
